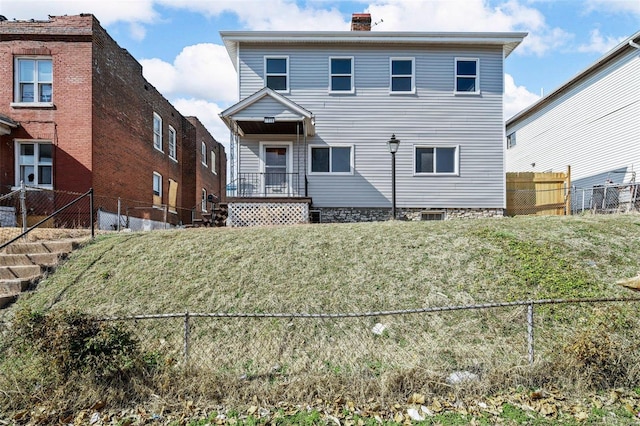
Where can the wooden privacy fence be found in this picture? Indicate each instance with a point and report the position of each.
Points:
(530, 193)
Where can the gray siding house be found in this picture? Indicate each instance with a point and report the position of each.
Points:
(309, 135)
(589, 123)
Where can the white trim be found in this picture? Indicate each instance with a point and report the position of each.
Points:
(159, 118)
(17, 143)
(352, 75)
(174, 157)
(203, 154)
(262, 147)
(456, 165)
(455, 76)
(413, 76)
(330, 173)
(36, 92)
(287, 74)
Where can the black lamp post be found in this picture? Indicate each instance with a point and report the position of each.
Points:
(393, 145)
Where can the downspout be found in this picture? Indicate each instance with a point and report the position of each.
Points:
(297, 157)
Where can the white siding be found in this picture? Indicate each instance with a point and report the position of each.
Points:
(366, 120)
(593, 127)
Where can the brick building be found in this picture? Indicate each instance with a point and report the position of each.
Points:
(76, 113)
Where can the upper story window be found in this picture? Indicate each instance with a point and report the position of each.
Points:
(157, 131)
(33, 80)
(213, 162)
(34, 162)
(331, 159)
(277, 73)
(203, 153)
(436, 160)
(341, 78)
(511, 140)
(172, 143)
(402, 75)
(467, 73)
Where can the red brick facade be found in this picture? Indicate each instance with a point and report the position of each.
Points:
(101, 119)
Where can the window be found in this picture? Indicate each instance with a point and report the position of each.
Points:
(341, 78)
(331, 159)
(213, 162)
(436, 160)
(34, 80)
(203, 203)
(277, 73)
(157, 131)
(203, 153)
(157, 189)
(467, 76)
(402, 75)
(172, 143)
(34, 163)
(511, 140)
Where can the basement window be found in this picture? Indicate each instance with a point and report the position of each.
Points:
(315, 216)
(432, 215)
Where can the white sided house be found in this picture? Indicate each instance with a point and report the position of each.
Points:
(309, 135)
(590, 123)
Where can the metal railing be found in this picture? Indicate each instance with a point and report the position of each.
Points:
(29, 208)
(270, 184)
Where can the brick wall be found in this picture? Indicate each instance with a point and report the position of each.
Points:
(102, 119)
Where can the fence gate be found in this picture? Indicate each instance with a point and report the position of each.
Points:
(530, 193)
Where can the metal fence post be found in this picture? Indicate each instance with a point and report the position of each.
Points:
(93, 231)
(186, 337)
(23, 205)
(530, 331)
(119, 214)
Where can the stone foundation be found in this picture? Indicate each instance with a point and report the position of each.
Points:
(354, 214)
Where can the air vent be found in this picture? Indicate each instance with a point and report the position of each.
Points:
(432, 215)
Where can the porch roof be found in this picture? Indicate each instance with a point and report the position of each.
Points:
(267, 112)
(6, 124)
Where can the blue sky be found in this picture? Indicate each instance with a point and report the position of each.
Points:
(179, 46)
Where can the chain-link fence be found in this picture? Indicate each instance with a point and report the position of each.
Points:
(599, 199)
(385, 354)
(28, 207)
(304, 343)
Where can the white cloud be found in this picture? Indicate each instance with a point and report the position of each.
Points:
(615, 6)
(599, 43)
(202, 71)
(516, 98)
(135, 12)
(207, 112)
(271, 15)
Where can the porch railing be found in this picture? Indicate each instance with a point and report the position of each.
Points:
(265, 185)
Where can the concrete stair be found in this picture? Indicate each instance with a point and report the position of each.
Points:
(24, 264)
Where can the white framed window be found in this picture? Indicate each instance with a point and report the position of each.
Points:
(213, 163)
(432, 160)
(467, 78)
(157, 132)
(276, 73)
(33, 80)
(334, 159)
(203, 202)
(172, 144)
(341, 79)
(157, 189)
(34, 163)
(402, 75)
(511, 140)
(203, 153)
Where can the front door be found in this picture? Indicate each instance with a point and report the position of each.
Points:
(276, 176)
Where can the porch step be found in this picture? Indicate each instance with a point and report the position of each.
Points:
(24, 264)
(62, 246)
(20, 271)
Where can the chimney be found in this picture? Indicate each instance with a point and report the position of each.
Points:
(361, 22)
